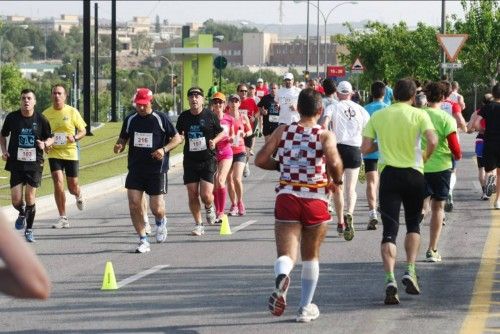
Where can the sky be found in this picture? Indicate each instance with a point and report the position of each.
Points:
(260, 12)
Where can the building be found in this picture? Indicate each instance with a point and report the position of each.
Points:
(294, 53)
(232, 51)
(256, 48)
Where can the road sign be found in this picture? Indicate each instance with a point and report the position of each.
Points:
(220, 62)
(335, 71)
(451, 65)
(452, 44)
(357, 67)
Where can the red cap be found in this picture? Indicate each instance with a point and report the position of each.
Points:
(143, 96)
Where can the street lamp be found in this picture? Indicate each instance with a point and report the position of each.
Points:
(172, 74)
(154, 80)
(23, 26)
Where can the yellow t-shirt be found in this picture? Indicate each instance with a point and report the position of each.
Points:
(64, 123)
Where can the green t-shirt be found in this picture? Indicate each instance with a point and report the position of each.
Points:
(445, 124)
(399, 129)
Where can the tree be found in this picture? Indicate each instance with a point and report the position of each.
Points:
(230, 32)
(12, 84)
(157, 24)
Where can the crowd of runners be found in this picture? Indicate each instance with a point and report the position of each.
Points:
(318, 137)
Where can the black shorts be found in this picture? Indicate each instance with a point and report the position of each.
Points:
(370, 165)
(196, 171)
(240, 157)
(437, 185)
(480, 162)
(70, 167)
(152, 184)
(30, 177)
(248, 141)
(351, 155)
(267, 130)
(491, 156)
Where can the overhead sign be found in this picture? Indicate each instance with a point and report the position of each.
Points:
(335, 71)
(357, 67)
(452, 44)
(451, 65)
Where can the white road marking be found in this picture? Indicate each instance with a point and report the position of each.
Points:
(140, 275)
(242, 226)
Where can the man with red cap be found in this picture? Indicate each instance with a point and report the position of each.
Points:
(151, 137)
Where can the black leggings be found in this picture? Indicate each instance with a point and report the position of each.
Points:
(397, 185)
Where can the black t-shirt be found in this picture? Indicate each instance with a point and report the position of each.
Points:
(197, 131)
(491, 113)
(24, 132)
(270, 120)
(145, 135)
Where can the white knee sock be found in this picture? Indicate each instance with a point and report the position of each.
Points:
(283, 265)
(310, 274)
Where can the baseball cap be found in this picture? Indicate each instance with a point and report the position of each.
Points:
(288, 76)
(252, 86)
(195, 89)
(143, 96)
(260, 80)
(234, 96)
(344, 87)
(219, 96)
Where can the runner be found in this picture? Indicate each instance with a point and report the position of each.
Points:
(224, 153)
(270, 111)
(151, 137)
(287, 99)
(201, 132)
(301, 209)
(68, 128)
(29, 134)
(249, 108)
(401, 178)
(437, 169)
(261, 90)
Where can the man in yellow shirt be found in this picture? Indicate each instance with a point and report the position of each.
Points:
(67, 127)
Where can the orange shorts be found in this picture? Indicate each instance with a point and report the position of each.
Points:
(308, 211)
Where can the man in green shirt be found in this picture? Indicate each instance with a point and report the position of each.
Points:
(398, 130)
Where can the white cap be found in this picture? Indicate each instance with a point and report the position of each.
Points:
(260, 80)
(288, 76)
(344, 87)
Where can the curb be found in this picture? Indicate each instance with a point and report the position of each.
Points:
(102, 187)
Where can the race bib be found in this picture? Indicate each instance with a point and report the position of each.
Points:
(197, 144)
(60, 138)
(144, 140)
(274, 118)
(244, 112)
(225, 128)
(260, 93)
(26, 154)
(236, 139)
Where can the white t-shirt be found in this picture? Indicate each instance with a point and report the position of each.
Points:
(287, 97)
(348, 120)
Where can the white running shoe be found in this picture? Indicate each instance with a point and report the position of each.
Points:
(199, 230)
(143, 247)
(147, 227)
(497, 205)
(308, 313)
(246, 171)
(79, 202)
(210, 215)
(61, 223)
(161, 232)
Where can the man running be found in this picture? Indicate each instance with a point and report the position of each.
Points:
(270, 111)
(306, 154)
(68, 128)
(151, 137)
(201, 131)
(397, 130)
(287, 100)
(29, 135)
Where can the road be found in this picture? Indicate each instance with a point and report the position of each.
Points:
(220, 284)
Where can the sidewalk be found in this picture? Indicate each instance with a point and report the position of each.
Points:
(47, 203)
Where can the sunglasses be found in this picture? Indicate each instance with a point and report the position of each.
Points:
(217, 101)
(234, 100)
(243, 91)
(195, 94)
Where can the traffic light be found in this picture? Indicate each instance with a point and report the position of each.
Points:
(306, 75)
(174, 81)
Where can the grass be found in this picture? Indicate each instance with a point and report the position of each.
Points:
(95, 152)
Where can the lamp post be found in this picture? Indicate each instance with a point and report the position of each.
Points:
(171, 65)
(325, 19)
(23, 26)
(151, 76)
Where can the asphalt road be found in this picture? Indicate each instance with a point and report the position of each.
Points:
(220, 284)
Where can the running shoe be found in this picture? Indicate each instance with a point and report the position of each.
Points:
(147, 227)
(307, 313)
(340, 230)
(161, 232)
(391, 293)
(277, 301)
(199, 230)
(432, 256)
(410, 281)
(210, 215)
(349, 227)
(485, 197)
(79, 203)
(490, 183)
(62, 222)
(331, 208)
(444, 220)
(143, 247)
(20, 222)
(372, 224)
(233, 211)
(241, 209)
(246, 171)
(497, 205)
(448, 206)
(28, 234)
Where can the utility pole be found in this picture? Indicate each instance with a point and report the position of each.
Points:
(443, 31)
(86, 65)
(96, 65)
(307, 39)
(114, 117)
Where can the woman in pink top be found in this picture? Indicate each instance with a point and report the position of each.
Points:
(242, 129)
(224, 153)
